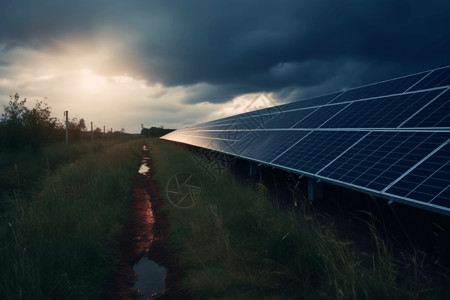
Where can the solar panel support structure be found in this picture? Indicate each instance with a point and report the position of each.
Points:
(253, 166)
(315, 189)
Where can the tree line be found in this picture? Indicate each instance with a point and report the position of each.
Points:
(23, 127)
(155, 131)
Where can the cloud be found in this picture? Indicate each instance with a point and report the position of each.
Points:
(268, 45)
(216, 51)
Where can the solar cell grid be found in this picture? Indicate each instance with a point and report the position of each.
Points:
(320, 116)
(382, 157)
(436, 114)
(386, 112)
(437, 78)
(317, 149)
(394, 86)
(232, 134)
(270, 144)
(429, 181)
(246, 123)
(288, 119)
(311, 102)
(216, 144)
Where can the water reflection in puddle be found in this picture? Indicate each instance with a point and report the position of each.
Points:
(150, 277)
(143, 169)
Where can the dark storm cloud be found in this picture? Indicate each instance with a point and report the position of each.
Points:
(240, 46)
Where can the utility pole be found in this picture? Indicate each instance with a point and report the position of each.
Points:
(92, 131)
(66, 114)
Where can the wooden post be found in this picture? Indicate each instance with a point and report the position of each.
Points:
(315, 190)
(66, 114)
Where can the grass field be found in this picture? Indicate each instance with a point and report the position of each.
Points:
(62, 211)
(61, 217)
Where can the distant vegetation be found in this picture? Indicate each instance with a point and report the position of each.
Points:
(155, 131)
(21, 126)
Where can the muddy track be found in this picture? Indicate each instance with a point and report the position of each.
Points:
(144, 234)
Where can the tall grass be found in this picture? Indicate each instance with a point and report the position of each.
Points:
(235, 245)
(60, 240)
(30, 166)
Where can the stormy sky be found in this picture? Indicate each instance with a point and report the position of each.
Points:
(176, 62)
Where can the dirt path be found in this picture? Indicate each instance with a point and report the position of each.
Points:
(145, 233)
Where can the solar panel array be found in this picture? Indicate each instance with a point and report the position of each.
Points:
(390, 139)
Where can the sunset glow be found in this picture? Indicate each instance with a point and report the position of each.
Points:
(92, 83)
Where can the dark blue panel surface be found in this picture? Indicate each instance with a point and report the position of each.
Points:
(436, 114)
(265, 145)
(200, 141)
(318, 149)
(439, 77)
(320, 116)
(381, 157)
(233, 134)
(311, 102)
(428, 182)
(386, 112)
(246, 122)
(288, 119)
(394, 86)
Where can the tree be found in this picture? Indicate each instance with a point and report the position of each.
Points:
(14, 120)
(39, 124)
(81, 125)
(155, 131)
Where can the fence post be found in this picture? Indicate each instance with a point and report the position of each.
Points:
(66, 114)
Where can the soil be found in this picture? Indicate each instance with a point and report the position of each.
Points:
(145, 234)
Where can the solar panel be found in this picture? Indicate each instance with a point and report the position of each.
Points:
(434, 114)
(317, 149)
(321, 100)
(320, 116)
(436, 78)
(381, 157)
(428, 181)
(271, 144)
(385, 112)
(289, 118)
(394, 86)
(390, 139)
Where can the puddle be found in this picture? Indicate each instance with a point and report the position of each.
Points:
(143, 169)
(150, 277)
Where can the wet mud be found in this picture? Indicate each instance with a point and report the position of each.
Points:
(145, 236)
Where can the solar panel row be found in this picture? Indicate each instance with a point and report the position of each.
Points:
(390, 138)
